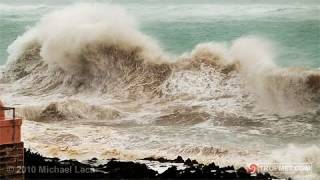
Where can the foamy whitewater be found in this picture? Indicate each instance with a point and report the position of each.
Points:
(88, 83)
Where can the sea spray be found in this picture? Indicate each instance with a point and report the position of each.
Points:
(89, 82)
(84, 47)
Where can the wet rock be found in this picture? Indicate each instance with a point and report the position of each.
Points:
(242, 173)
(191, 172)
(194, 162)
(117, 169)
(178, 160)
(161, 159)
(54, 168)
(93, 160)
(190, 162)
(170, 173)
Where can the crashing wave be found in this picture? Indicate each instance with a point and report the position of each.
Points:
(102, 50)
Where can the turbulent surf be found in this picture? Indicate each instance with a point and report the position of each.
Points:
(86, 79)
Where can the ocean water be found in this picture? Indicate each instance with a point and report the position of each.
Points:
(234, 82)
(179, 26)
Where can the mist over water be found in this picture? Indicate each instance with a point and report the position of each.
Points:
(218, 82)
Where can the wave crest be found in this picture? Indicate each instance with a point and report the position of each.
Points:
(102, 50)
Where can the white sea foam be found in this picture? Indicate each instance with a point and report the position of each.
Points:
(102, 40)
(297, 155)
(64, 34)
(90, 65)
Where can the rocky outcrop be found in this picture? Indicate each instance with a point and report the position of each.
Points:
(38, 166)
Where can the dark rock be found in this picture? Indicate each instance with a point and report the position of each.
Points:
(211, 171)
(40, 167)
(92, 161)
(188, 162)
(161, 159)
(194, 162)
(171, 173)
(178, 160)
(191, 172)
(116, 169)
(242, 173)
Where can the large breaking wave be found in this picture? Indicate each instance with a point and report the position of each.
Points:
(90, 62)
(100, 48)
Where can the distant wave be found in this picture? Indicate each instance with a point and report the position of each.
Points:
(102, 50)
(8, 7)
(205, 12)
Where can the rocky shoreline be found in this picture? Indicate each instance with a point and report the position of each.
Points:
(39, 167)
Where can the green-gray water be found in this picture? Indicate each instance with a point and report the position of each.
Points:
(89, 82)
(293, 26)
